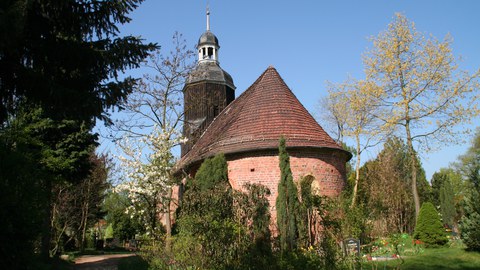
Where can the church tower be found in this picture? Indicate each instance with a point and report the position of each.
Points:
(208, 90)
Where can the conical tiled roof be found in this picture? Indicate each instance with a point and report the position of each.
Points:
(255, 120)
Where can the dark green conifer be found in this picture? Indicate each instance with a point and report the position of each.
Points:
(287, 202)
(447, 204)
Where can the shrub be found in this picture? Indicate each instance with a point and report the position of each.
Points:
(429, 227)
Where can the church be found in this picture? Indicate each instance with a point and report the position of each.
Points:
(247, 129)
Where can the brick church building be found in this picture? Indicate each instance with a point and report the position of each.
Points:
(247, 129)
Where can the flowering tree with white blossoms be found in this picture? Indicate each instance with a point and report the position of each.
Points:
(148, 132)
(150, 182)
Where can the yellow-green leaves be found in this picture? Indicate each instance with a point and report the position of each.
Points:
(421, 84)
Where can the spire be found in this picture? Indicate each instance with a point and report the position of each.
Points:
(208, 18)
(208, 44)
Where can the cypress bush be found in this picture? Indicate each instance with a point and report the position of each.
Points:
(429, 227)
(287, 202)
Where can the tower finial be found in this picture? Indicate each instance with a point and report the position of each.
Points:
(208, 18)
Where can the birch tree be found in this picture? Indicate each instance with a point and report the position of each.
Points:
(351, 106)
(149, 130)
(425, 95)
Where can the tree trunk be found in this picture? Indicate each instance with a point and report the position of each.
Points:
(84, 228)
(168, 222)
(46, 234)
(357, 172)
(413, 167)
(85, 212)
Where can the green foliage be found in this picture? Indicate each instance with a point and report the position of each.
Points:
(438, 178)
(385, 189)
(447, 204)
(212, 172)
(355, 222)
(77, 207)
(22, 196)
(38, 153)
(60, 62)
(65, 52)
(429, 227)
(252, 211)
(206, 226)
(307, 259)
(470, 223)
(124, 227)
(287, 203)
(133, 263)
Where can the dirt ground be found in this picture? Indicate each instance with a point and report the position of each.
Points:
(99, 262)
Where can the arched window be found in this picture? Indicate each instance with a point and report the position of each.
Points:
(309, 186)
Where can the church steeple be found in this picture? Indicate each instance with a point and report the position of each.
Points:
(208, 90)
(208, 44)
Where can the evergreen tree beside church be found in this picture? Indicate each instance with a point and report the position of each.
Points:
(287, 202)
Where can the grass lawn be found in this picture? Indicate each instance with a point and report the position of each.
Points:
(439, 258)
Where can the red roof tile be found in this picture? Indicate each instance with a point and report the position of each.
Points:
(255, 120)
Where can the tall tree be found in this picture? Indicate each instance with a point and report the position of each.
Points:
(287, 203)
(438, 178)
(149, 183)
(447, 204)
(76, 207)
(352, 106)
(425, 95)
(385, 189)
(470, 222)
(54, 54)
(58, 53)
(152, 120)
(55, 152)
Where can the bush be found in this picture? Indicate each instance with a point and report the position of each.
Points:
(429, 227)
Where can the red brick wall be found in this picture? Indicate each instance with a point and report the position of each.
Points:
(262, 167)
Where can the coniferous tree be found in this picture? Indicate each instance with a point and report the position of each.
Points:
(447, 204)
(58, 53)
(429, 227)
(470, 223)
(438, 178)
(287, 202)
(62, 58)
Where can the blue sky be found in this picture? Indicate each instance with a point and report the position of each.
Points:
(308, 42)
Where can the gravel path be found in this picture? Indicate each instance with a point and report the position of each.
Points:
(99, 262)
